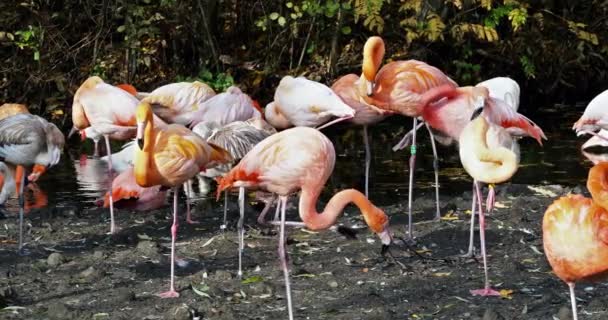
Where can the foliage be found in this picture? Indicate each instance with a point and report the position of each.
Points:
(49, 47)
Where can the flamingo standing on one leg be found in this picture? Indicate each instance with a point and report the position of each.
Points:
(305, 103)
(404, 87)
(365, 114)
(295, 159)
(168, 157)
(110, 111)
(26, 140)
(486, 155)
(575, 234)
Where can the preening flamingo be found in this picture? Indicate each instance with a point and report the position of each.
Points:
(575, 234)
(169, 156)
(595, 148)
(404, 87)
(238, 138)
(226, 107)
(305, 103)
(110, 111)
(594, 118)
(295, 159)
(173, 100)
(27, 140)
(365, 114)
(503, 88)
(486, 155)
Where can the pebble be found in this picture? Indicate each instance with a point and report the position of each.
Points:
(181, 312)
(91, 274)
(222, 275)
(55, 259)
(58, 311)
(332, 284)
(98, 254)
(564, 313)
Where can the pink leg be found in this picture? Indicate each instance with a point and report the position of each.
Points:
(172, 293)
(436, 169)
(188, 213)
(112, 228)
(241, 229)
(470, 252)
(283, 256)
(486, 291)
(96, 148)
(411, 182)
(368, 158)
(573, 301)
(223, 226)
(262, 216)
(491, 198)
(21, 251)
(333, 122)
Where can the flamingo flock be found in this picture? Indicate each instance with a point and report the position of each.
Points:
(185, 131)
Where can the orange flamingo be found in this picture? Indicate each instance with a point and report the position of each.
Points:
(575, 233)
(404, 87)
(299, 158)
(365, 114)
(486, 154)
(110, 111)
(168, 157)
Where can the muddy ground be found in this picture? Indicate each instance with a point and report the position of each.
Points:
(77, 271)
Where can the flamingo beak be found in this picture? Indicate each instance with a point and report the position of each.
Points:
(385, 237)
(140, 134)
(476, 113)
(370, 87)
(72, 131)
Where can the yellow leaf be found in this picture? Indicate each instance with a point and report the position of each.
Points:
(442, 274)
(500, 205)
(450, 216)
(506, 293)
(421, 251)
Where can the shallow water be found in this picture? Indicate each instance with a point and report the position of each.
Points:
(84, 179)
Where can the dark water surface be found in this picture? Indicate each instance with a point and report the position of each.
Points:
(558, 161)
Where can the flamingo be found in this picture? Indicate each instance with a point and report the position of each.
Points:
(302, 102)
(238, 138)
(486, 155)
(503, 88)
(7, 183)
(173, 100)
(226, 107)
(595, 142)
(365, 114)
(300, 158)
(575, 234)
(110, 111)
(91, 133)
(404, 87)
(127, 191)
(169, 156)
(594, 118)
(26, 140)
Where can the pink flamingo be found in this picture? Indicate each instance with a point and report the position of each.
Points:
(365, 114)
(128, 192)
(173, 100)
(305, 103)
(404, 87)
(594, 118)
(486, 154)
(295, 159)
(110, 111)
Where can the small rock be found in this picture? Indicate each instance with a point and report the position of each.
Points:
(564, 313)
(332, 284)
(181, 312)
(147, 248)
(91, 274)
(260, 288)
(55, 259)
(59, 311)
(98, 254)
(222, 275)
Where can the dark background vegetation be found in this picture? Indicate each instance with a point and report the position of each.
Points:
(555, 49)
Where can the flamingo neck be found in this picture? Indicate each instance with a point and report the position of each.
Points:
(146, 172)
(323, 220)
(275, 117)
(597, 183)
(502, 160)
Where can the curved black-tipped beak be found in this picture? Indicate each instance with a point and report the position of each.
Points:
(140, 135)
(140, 143)
(370, 88)
(476, 113)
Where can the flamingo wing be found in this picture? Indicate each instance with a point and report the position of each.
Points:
(498, 112)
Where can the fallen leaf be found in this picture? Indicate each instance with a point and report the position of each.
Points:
(506, 293)
(253, 279)
(542, 191)
(441, 274)
(450, 216)
(500, 205)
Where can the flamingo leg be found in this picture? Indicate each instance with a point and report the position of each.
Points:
(471, 250)
(573, 301)
(241, 229)
(188, 192)
(262, 216)
(405, 141)
(486, 291)
(276, 213)
(368, 157)
(21, 251)
(96, 148)
(283, 256)
(107, 138)
(333, 122)
(436, 169)
(491, 198)
(224, 225)
(172, 293)
(410, 192)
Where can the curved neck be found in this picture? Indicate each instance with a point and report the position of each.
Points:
(146, 173)
(274, 116)
(321, 221)
(504, 161)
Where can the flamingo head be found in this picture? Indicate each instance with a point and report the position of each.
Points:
(373, 53)
(479, 95)
(143, 116)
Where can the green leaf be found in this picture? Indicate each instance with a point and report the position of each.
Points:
(282, 21)
(121, 28)
(346, 6)
(289, 4)
(36, 55)
(346, 30)
(253, 279)
(274, 16)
